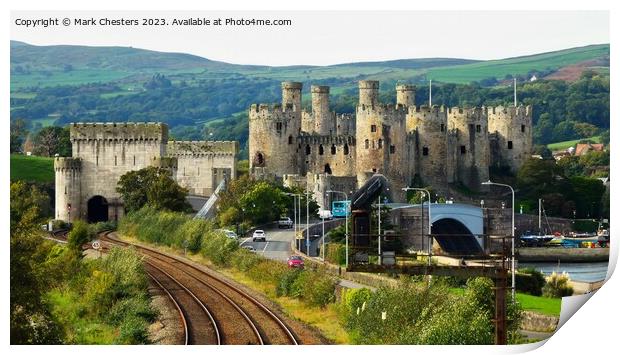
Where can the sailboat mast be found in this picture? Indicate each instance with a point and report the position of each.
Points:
(539, 215)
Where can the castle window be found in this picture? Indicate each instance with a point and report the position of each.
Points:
(392, 149)
(321, 149)
(278, 126)
(290, 139)
(442, 127)
(366, 143)
(522, 128)
(346, 149)
(97, 160)
(373, 144)
(134, 160)
(380, 143)
(425, 151)
(115, 160)
(307, 149)
(65, 189)
(374, 170)
(328, 169)
(333, 150)
(509, 144)
(259, 160)
(373, 128)
(463, 150)
(478, 128)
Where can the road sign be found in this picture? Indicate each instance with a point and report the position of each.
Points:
(96, 245)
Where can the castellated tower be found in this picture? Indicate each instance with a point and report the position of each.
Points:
(470, 146)
(273, 135)
(405, 95)
(381, 138)
(511, 135)
(68, 174)
(430, 128)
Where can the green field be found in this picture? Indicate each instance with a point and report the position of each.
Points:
(39, 169)
(544, 305)
(463, 74)
(538, 304)
(567, 144)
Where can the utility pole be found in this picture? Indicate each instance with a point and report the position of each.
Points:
(307, 219)
(379, 229)
(430, 93)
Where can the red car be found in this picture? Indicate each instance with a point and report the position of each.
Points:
(295, 261)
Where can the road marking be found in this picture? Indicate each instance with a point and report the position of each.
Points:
(245, 241)
(265, 248)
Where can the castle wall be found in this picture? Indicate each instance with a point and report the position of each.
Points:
(431, 143)
(345, 124)
(472, 145)
(333, 155)
(380, 136)
(513, 132)
(202, 165)
(109, 150)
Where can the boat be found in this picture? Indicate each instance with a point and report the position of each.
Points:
(529, 239)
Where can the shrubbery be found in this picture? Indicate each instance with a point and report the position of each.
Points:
(530, 280)
(557, 286)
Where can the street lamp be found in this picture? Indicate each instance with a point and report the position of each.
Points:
(430, 224)
(295, 215)
(512, 233)
(346, 225)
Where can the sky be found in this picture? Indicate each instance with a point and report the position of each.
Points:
(323, 38)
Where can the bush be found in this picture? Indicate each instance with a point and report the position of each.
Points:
(530, 280)
(335, 253)
(285, 284)
(79, 234)
(101, 226)
(557, 286)
(133, 330)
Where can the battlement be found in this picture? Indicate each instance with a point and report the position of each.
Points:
(273, 111)
(165, 162)
(469, 114)
(511, 111)
(292, 85)
(427, 109)
(119, 131)
(382, 109)
(318, 89)
(61, 163)
(201, 148)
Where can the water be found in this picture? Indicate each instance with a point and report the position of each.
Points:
(584, 272)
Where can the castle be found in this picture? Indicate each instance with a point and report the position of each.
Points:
(102, 152)
(323, 150)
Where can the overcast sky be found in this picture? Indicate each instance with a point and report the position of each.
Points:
(322, 38)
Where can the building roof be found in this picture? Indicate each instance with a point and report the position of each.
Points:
(583, 148)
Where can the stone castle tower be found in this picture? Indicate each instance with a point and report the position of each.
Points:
(102, 152)
(323, 150)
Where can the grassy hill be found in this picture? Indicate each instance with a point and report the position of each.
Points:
(567, 144)
(31, 168)
(40, 66)
(519, 65)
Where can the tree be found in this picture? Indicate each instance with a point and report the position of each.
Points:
(52, 140)
(153, 186)
(18, 133)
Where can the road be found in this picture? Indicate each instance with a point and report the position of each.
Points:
(278, 244)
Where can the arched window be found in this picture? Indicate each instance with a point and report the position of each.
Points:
(333, 149)
(328, 169)
(346, 149)
(321, 149)
(366, 143)
(380, 143)
(307, 149)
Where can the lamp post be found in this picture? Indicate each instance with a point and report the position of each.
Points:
(307, 219)
(512, 233)
(295, 221)
(430, 224)
(346, 226)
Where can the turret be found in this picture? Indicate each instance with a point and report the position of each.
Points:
(405, 95)
(291, 94)
(67, 188)
(369, 92)
(324, 120)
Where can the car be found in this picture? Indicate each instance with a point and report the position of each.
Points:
(285, 222)
(228, 233)
(259, 235)
(295, 261)
(249, 247)
(325, 214)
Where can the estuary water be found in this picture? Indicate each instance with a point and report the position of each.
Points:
(584, 272)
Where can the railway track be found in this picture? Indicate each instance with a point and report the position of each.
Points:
(240, 318)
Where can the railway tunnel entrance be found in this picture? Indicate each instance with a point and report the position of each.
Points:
(454, 237)
(97, 209)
